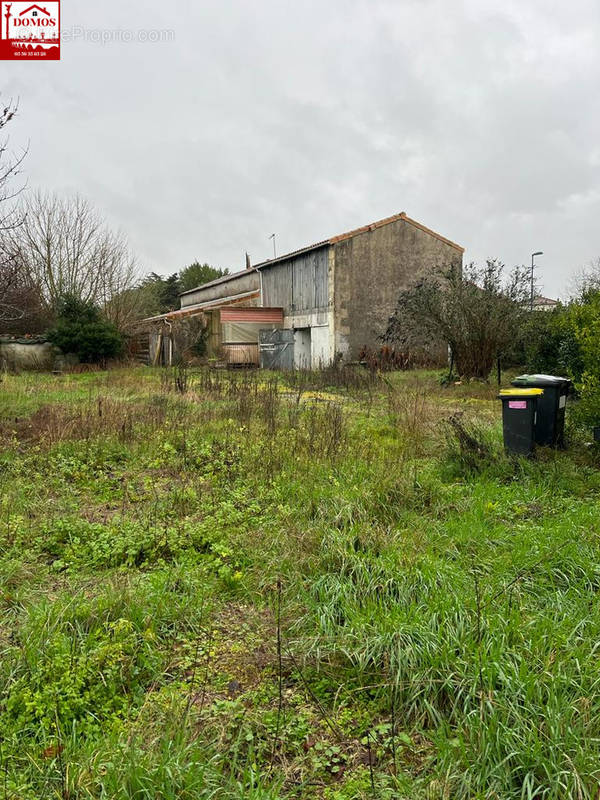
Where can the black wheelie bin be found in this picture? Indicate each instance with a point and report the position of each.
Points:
(519, 412)
(550, 425)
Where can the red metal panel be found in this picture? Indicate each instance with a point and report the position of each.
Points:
(267, 315)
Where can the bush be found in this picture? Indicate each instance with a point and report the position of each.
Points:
(586, 413)
(566, 341)
(584, 324)
(81, 329)
(200, 346)
(475, 311)
(537, 343)
(580, 354)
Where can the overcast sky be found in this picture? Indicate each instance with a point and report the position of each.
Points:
(480, 119)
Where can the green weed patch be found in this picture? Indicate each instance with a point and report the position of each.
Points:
(245, 585)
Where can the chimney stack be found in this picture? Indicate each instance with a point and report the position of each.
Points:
(248, 264)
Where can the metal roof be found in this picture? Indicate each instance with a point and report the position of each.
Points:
(332, 240)
(292, 254)
(217, 281)
(208, 305)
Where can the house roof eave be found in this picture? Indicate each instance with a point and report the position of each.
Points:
(208, 305)
(357, 232)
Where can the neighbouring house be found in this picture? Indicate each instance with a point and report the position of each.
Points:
(544, 303)
(313, 306)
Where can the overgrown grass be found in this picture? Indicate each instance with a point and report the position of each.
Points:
(249, 585)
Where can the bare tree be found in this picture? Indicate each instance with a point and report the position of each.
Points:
(67, 247)
(476, 311)
(585, 279)
(119, 295)
(11, 276)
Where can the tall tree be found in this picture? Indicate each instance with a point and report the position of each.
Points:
(477, 311)
(197, 274)
(67, 247)
(169, 292)
(157, 294)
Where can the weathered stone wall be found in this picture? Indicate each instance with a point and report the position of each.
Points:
(17, 355)
(370, 270)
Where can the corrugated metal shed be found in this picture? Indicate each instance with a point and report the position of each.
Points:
(267, 316)
(209, 305)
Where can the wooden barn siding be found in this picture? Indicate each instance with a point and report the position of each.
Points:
(298, 285)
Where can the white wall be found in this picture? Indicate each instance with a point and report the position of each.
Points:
(320, 350)
(302, 348)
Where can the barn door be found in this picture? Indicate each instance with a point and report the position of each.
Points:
(302, 348)
(276, 349)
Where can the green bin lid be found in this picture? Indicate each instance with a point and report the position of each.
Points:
(539, 380)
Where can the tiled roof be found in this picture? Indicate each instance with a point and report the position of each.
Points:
(356, 232)
(332, 240)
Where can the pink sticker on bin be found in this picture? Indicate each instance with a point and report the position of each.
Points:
(517, 403)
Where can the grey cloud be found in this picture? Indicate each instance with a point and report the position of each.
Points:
(477, 117)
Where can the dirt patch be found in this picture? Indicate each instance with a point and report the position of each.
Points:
(242, 649)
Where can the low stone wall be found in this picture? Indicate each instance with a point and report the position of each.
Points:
(27, 354)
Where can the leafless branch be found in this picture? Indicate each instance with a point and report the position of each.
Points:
(10, 220)
(67, 247)
(476, 311)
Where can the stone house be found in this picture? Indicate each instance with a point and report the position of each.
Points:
(321, 303)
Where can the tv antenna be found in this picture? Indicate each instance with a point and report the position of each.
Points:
(272, 236)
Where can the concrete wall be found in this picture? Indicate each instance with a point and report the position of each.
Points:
(245, 281)
(15, 355)
(370, 270)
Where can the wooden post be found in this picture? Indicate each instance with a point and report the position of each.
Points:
(158, 351)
